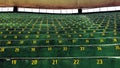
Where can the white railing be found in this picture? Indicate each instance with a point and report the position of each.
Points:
(85, 10)
(63, 11)
(48, 10)
(3, 9)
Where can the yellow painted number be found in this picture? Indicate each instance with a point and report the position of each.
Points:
(17, 49)
(82, 48)
(87, 41)
(54, 62)
(117, 47)
(99, 48)
(65, 48)
(14, 62)
(101, 40)
(8, 42)
(47, 41)
(34, 62)
(76, 61)
(60, 41)
(33, 49)
(115, 40)
(21, 41)
(2, 49)
(49, 48)
(74, 41)
(99, 61)
(34, 41)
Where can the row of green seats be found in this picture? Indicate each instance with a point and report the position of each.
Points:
(69, 41)
(60, 51)
(57, 36)
(58, 63)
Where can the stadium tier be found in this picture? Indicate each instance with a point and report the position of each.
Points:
(53, 40)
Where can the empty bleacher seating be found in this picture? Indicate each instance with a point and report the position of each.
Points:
(51, 41)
